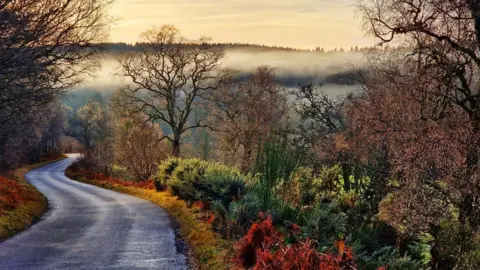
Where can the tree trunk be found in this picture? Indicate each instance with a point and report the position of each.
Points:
(247, 155)
(176, 146)
(474, 6)
(346, 172)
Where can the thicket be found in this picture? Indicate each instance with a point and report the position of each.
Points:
(283, 208)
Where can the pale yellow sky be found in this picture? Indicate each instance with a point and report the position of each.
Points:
(301, 24)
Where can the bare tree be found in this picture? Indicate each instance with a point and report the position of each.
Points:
(249, 110)
(46, 47)
(170, 77)
(320, 118)
(440, 40)
(137, 147)
(320, 133)
(33, 137)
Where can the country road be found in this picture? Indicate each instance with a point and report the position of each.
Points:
(87, 227)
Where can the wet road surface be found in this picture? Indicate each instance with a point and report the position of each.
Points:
(87, 227)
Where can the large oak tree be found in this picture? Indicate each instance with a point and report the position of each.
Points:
(170, 77)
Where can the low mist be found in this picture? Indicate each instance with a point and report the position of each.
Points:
(293, 68)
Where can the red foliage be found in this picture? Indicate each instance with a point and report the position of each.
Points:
(264, 248)
(11, 194)
(100, 177)
(201, 205)
(211, 218)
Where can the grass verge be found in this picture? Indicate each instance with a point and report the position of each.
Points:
(21, 204)
(209, 252)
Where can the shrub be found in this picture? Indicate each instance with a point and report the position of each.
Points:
(198, 180)
(457, 247)
(325, 223)
(276, 161)
(329, 182)
(298, 189)
(137, 147)
(304, 188)
(233, 222)
(263, 247)
(11, 194)
(221, 186)
(165, 170)
(389, 258)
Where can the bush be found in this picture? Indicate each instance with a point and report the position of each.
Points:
(137, 147)
(304, 188)
(390, 258)
(276, 161)
(329, 182)
(165, 170)
(198, 180)
(263, 247)
(325, 223)
(457, 247)
(298, 189)
(11, 194)
(233, 222)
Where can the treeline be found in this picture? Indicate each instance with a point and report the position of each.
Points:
(125, 47)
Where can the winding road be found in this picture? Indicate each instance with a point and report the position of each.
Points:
(87, 227)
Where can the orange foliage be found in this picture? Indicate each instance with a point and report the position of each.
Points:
(264, 248)
(11, 194)
(201, 205)
(100, 177)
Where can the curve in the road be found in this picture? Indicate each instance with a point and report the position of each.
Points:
(88, 227)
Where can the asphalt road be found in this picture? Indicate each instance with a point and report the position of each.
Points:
(87, 227)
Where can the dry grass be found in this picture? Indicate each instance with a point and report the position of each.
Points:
(29, 204)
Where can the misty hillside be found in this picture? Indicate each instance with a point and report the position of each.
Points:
(334, 70)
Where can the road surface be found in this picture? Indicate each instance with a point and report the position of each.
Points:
(87, 227)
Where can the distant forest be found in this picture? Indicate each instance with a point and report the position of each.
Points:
(123, 47)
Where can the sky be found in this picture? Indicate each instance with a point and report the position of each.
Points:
(302, 24)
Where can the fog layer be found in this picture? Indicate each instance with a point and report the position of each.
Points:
(294, 68)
